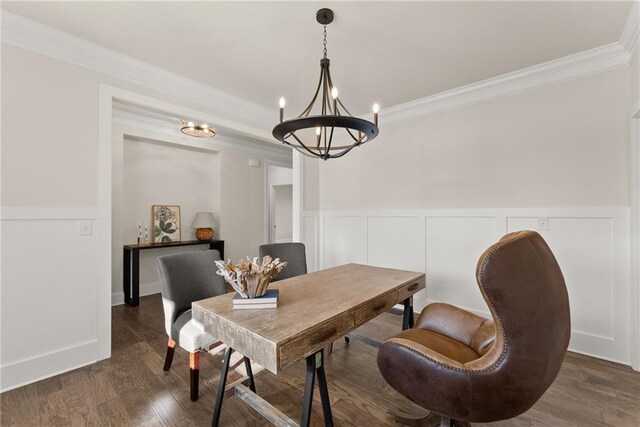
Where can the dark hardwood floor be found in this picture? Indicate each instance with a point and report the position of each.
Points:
(132, 389)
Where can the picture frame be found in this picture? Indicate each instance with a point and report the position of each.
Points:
(166, 224)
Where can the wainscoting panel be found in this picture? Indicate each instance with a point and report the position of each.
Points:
(584, 248)
(310, 238)
(454, 245)
(397, 242)
(49, 294)
(591, 245)
(344, 240)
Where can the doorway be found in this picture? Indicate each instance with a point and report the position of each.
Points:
(279, 194)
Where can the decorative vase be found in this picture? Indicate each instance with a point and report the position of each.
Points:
(257, 285)
(205, 233)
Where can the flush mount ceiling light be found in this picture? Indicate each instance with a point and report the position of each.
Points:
(313, 135)
(199, 130)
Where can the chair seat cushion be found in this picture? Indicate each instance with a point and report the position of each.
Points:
(441, 344)
(189, 335)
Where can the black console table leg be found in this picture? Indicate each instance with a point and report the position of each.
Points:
(135, 292)
(126, 275)
(219, 246)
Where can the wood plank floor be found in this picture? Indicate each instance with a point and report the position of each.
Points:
(132, 389)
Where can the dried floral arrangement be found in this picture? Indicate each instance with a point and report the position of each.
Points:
(249, 278)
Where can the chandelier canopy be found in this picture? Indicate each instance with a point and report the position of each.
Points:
(316, 135)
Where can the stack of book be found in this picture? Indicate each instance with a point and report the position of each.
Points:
(268, 300)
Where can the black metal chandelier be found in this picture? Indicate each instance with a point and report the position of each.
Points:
(313, 135)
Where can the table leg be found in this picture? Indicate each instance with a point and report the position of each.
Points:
(315, 367)
(408, 316)
(135, 291)
(126, 275)
(221, 386)
(247, 367)
(307, 399)
(324, 393)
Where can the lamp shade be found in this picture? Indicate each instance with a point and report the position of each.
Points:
(203, 220)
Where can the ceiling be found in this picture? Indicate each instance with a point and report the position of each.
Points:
(386, 52)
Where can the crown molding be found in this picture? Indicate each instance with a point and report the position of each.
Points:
(33, 36)
(631, 31)
(39, 38)
(570, 67)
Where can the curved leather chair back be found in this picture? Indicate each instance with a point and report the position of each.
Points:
(522, 283)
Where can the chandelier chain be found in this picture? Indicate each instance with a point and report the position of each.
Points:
(324, 43)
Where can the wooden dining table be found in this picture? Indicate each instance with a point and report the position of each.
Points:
(313, 311)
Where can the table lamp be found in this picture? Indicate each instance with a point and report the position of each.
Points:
(204, 223)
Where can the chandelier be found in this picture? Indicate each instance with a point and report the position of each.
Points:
(316, 135)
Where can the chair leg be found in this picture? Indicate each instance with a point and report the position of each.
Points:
(194, 374)
(171, 348)
(347, 339)
(328, 349)
(446, 422)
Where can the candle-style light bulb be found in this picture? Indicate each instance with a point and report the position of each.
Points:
(282, 104)
(334, 95)
(318, 133)
(376, 108)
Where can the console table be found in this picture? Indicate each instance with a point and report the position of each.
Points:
(131, 264)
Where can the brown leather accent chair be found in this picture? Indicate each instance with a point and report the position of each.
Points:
(465, 368)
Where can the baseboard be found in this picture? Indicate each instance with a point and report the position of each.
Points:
(27, 371)
(117, 298)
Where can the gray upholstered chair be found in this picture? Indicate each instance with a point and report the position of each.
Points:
(186, 278)
(292, 253)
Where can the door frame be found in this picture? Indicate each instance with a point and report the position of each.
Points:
(108, 96)
(268, 197)
(634, 231)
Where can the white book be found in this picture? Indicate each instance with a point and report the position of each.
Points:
(254, 306)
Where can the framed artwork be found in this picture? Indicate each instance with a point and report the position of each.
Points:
(166, 223)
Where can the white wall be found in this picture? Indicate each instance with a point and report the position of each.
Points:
(561, 145)
(49, 187)
(432, 192)
(157, 173)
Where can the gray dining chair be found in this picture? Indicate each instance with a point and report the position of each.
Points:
(187, 278)
(292, 253)
(295, 257)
